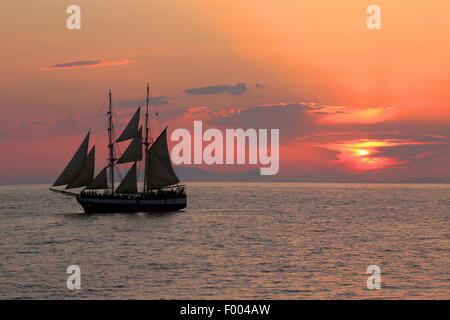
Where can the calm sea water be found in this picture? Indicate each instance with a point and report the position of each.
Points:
(234, 240)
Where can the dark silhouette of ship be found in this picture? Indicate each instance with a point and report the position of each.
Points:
(161, 192)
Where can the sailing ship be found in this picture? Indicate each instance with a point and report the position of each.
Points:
(161, 191)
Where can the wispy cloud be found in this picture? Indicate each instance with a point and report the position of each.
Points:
(68, 124)
(411, 150)
(236, 90)
(87, 64)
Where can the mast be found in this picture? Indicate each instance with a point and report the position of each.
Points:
(111, 145)
(146, 143)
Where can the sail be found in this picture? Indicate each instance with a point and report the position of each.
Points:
(129, 183)
(134, 150)
(85, 175)
(100, 181)
(75, 165)
(160, 172)
(131, 130)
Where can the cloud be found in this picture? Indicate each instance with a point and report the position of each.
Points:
(311, 149)
(367, 115)
(65, 125)
(293, 119)
(75, 64)
(408, 151)
(155, 101)
(86, 64)
(316, 149)
(236, 90)
(259, 86)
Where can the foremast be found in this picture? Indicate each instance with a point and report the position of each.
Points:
(111, 144)
(146, 143)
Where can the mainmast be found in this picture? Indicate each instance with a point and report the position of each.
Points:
(111, 145)
(146, 143)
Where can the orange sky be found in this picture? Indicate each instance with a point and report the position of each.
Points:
(335, 89)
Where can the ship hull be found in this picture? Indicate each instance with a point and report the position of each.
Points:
(102, 205)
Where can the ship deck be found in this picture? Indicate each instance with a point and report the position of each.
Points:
(114, 204)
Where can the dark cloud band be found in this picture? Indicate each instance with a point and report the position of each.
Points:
(76, 64)
(236, 90)
(155, 101)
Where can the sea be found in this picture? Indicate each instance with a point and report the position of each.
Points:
(233, 241)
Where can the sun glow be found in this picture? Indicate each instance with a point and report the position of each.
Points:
(361, 154)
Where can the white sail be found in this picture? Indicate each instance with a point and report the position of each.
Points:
(131, 130)
(160, 172)
(129, 183)
(134, 151)
(100, 181)
(75, 165)
(85, 175)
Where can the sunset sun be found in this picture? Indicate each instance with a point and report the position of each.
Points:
(363, 152)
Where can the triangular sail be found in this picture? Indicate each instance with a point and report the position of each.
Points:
(85, 175)
(129, 183)
(75, 165)
(100, 181)
(160, 172)
(134, 151)
(131, 130)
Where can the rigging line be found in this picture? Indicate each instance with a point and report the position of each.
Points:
(117, 155)
(119, 174)
(100, 111)
(118, 150)
(100, 134)
(98, 138)
(150, 117)
(160, 122)
(114, 137)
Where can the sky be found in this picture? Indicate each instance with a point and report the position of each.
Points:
(351, 104)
